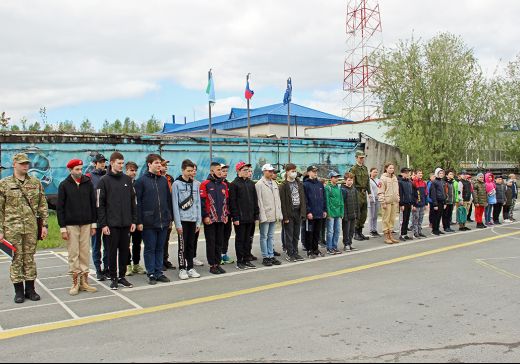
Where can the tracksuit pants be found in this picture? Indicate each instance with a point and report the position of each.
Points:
(214, 234)
(118, 248)
(243, 246)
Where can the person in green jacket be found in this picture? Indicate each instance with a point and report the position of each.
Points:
(335, 212)
(480, 199)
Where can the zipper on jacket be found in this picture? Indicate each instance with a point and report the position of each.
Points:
(158, 200)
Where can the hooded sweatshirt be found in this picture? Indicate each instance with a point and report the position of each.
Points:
(491, 188)
(181, 190)
(405, 191)
(437, 190)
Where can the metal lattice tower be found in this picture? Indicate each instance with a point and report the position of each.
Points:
(364, 38)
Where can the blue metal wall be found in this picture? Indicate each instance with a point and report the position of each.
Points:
(49, 157)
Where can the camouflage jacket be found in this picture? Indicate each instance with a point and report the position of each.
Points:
(362, 178)
(16, 216)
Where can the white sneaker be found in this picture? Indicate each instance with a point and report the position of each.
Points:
(507, 221)
(183, 275)
(192, 273)
(197, 263)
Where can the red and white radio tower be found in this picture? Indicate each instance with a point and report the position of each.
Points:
(364, 38)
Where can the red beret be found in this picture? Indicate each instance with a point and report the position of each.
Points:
(74, 163)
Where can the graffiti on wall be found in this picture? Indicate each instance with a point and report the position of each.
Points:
(49, 160)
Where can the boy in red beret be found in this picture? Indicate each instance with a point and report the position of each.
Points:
(77, 216)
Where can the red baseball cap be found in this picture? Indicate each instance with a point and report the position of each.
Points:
(241, 165)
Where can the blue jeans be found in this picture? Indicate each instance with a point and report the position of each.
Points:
(489, 213)
(333, 229)
(154, 250)
(267, 239)
(97, 241)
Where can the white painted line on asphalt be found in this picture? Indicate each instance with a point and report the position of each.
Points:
(56, 277)
(505, 258)
(89, 299)
(29, 307)
(63, 305)
(115, 293)
(52, 304)
(308, 261)
(53, 267)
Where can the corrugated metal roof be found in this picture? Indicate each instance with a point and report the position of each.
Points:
(272, 114)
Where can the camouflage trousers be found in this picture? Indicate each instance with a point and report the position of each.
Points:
(363, 211)
(23, 267)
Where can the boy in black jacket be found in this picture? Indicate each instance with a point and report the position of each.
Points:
(154, 214)
(76, 210)
(243, 204)
(117, 216)
(405, 202)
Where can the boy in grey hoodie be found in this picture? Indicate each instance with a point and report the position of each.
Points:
(187, 217)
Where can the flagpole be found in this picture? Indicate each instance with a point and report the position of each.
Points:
(210, 136)
(289, 129)
(248, 127)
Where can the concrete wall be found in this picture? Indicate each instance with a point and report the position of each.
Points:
(378, 154)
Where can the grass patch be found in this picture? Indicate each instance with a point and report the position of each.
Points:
(54, 240)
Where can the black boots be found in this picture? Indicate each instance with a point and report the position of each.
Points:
(18, 293)
(359, 235)
(30, 293)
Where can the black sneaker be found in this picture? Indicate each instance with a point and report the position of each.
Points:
(337, 252)
(267, 262)
(214, 270)
(221, 270)
(100, 276)
(241, 266)
(422, 235)
(402, 238)
(449, 230)
(290, 259)
(375, 234)
(168, 265)
(442, 233)
(276, 254)
(407, 238)
(331, 252)
(163, 279)
(252, 258)
(152, 281)
(249, 265)
(311, 256)
(275, 261)
(299, 258)
(114, 286)
(125, 283)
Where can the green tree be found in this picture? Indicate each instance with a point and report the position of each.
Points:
(106, 128)
(86, 127)
(66, 126)
(512, 106)
(117, 126)
(15, 128)
(439, 103)
(151, 126)
(35, 127)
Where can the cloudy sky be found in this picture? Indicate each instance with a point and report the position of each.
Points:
(111, 59)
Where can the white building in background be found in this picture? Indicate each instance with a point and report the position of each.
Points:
(374, 129)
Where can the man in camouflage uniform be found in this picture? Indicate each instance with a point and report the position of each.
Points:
(18, 224)
(362, 185)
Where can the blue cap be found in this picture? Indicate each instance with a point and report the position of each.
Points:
(334, 174)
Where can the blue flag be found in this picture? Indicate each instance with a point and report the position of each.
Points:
(288, 93)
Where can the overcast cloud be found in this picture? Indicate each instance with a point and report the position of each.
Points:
(60, 52)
